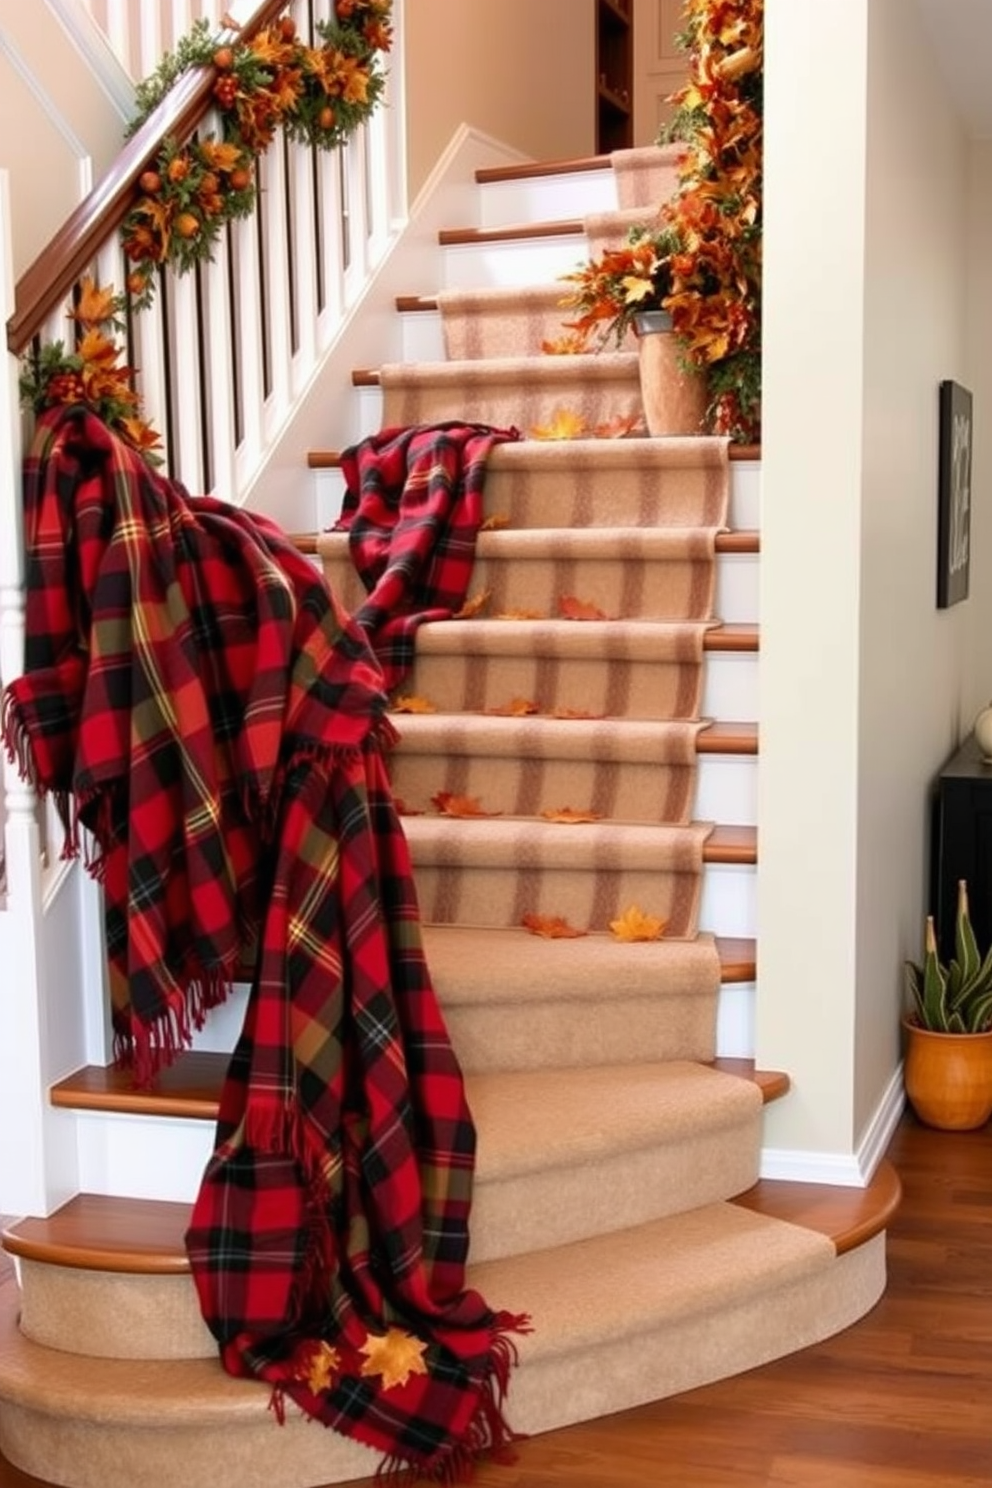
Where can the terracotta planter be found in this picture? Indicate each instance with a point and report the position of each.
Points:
(948, 1077)
(674, 401)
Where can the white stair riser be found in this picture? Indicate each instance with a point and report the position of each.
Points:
(730, 686)
(745, 479)
(508, 262)
(546, 198)
(423, 338)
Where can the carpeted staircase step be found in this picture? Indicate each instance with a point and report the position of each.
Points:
(606, 230)
(618, 668)
(500, 321)
(622, 572)
(523, 392)
(691, 1298)
(582, 483)
(646, 173)
(493, 871)
(622, 769)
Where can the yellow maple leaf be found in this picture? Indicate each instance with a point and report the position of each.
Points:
(495, 523)
(551, 927)
(565, 424)
(473, 607)
(221, 155)
(521, 615)
(569, 816)
(634, 924)
(411, 703)
(318, 1370)
(571, 344)
(394, 1356)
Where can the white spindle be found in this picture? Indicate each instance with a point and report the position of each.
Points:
(330, 206)
(186, 374)
(357, 218)
(220, 383)
(275, 288)
(304, 236)
(249, 368)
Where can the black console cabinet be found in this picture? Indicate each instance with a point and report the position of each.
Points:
(962, 845)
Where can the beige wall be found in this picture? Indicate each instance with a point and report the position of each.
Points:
(919, 680)
(521, 71)
(866, 686)
(56, 123)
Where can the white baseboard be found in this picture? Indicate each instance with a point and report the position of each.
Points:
(843, 1169)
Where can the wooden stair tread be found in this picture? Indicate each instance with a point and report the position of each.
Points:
(146, 1236)
(516, 232)
(740, 541)
(319, 459)
(731, 845)
(849, 1216)
(533, 170)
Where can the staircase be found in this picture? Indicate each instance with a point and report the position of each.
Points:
(619, 1195)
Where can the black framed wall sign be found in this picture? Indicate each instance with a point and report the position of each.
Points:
(953, 495)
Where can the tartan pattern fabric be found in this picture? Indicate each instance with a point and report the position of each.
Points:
(412, 511)
(203, 709)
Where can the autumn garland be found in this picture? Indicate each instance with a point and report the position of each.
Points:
(318, 95)
(702, 264)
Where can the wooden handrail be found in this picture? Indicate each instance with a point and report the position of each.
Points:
(61, 263)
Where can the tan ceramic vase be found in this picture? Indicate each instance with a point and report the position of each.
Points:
(674, 400)
(948, 1077)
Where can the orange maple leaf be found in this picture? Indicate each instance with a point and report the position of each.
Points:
(495, 523)
(620, 427)
(402, 809)
(516, 708)
(571, 608)
(634, 924)
(521, 615)
(411, 703)
(569, 816)
(464, 806)
(95, 306)
(473, 607)
(571, 344)
(551, 927)
(565, 424)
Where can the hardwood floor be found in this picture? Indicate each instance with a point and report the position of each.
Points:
(901, 1400)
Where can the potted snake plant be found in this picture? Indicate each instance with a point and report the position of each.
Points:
(948, 1064)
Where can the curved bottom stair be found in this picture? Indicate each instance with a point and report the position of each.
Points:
(110, 1380)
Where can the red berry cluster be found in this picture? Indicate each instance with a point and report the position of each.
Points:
(226, 90)
(65, 387)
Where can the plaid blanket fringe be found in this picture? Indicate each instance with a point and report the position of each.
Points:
(213, 729)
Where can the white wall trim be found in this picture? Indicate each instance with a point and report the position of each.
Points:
(843, 1169)
(97, 54)
(45, 100)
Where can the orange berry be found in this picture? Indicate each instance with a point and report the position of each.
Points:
(178, 168)
(240, 179)
(187, 225)
(326, 118)
(150, 181)
(136, 283)
(223, 59)
(287, 28)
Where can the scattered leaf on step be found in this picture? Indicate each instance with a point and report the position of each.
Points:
(515, 708)
(521, 615)
(551, 927)
(565, 424)
(411, 703)
(569, 816)
(568, 345)
(620, 427)
(495, 523)
(571, 608)
(452, 805)
(575, 713)
(634, 924)
(318, 1367)
(402, 809)
(473, 607)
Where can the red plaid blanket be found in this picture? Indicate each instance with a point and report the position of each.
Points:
(412, 510)
(199, 704)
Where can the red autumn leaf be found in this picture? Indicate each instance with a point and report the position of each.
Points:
(620, 427)
(402, 809)
(551, 927)
(571, 608)
(462, 806)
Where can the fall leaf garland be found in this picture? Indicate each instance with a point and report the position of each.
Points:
(318, 94)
